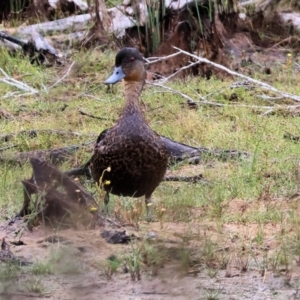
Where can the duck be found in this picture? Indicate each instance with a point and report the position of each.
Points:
(129, 159)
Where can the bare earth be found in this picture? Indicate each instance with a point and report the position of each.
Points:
(79, 274)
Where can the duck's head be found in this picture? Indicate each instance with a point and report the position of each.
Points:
(129, 66)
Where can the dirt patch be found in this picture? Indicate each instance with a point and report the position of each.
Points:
(186, 268)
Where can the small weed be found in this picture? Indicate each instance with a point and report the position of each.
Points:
(129, 210)
(283, 258)
(212, 273)
(40, 268)
(153, 257)
(110, 266)
(133, 262)
(259, 238)
(35, 285)
(210, 256)
(185, 256)
(8, 270)
(212, 294)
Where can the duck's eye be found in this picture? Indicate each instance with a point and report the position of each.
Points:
(132, 58)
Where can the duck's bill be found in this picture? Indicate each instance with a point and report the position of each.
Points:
(116, 76)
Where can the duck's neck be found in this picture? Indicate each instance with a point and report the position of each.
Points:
(133, 90)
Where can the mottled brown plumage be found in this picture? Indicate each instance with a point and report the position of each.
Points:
(135, 154)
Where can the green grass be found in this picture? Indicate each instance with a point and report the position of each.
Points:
(272, 165)
(252, 192)
(8, 271)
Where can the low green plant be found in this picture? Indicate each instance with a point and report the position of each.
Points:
(110, 266)
(212, 294)
(133, 261)
(40, 268)
(35, 285)
(153, 257)
(9, 270)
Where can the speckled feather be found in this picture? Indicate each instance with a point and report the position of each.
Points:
(134, 152)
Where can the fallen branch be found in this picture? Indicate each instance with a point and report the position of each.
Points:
(16, 83)
(55, 156)
(61, 79)
(188, 98)
(193, 179)
(35, 132)
(178, 71)
(74, 23)
(193, 102)
(91, 116)
(255, 81)
(120, 21)
(12, 39)
(37, 48)
(154, 59)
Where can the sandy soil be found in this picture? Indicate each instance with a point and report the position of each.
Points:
(79, 274)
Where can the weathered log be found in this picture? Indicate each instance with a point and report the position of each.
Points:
(70, 24)
(41, 9)
(74, 28)
(50, 9)
(290, 19)
(135, 16)
(12, 39)
(120, 20)
(37, 48)
(69, 39)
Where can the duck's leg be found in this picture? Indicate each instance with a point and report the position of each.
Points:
(106, 200)
(148, 207)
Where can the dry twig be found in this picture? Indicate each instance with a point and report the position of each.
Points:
(34, 133)
(245, 83)
(255, 81)
(16, 83)
(61, 79)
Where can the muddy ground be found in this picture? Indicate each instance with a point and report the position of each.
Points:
(79, 273)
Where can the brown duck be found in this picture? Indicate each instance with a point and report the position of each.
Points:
(129, 159)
